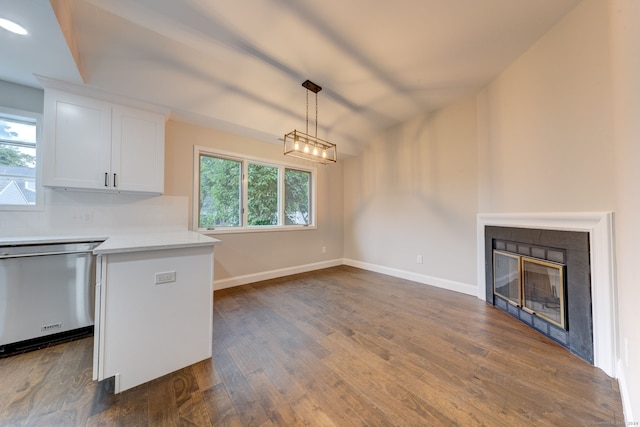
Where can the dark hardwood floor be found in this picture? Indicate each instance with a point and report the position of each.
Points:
(342, 347)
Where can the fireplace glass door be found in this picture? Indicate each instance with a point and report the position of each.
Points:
(506, 276)
(534, 285)
(543, 290)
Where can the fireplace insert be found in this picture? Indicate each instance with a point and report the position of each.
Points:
(535, 285)
(543, 278)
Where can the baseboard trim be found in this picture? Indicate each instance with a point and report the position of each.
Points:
(273, 274)
(624, 393)
(415, 277)
(451, 285)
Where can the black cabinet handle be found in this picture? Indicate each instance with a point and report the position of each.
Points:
(106, 179)
(115, 184)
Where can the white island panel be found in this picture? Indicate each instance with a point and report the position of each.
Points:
(146, 330)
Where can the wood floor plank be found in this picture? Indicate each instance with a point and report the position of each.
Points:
(220, 407)
(317, 380)
(134, 407)
(335, 347)
(277, 372)
(107, 418)
(26, 393)
(311, 414)
(243, 398)
(13, 371)
(193, 412)
(205, 375)
(163, 407)
(63, 375)
(275, 404)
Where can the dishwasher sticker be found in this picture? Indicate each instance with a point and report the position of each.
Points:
(51, 327)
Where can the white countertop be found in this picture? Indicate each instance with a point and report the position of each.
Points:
(130, 242)
(153, 241)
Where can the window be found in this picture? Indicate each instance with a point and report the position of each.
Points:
(19, 175)
(220, 183)
(247, 194)
(297, 184)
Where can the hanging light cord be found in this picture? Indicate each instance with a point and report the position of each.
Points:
(307, 116)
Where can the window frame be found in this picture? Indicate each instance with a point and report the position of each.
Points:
(245, 161)
(28, 116)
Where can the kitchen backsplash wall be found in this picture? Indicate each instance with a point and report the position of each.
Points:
(97, 214)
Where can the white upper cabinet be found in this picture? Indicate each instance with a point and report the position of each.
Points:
(137, 150)
(96, 145)
(77, 141)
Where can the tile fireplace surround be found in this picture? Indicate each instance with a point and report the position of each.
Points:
(599, 225)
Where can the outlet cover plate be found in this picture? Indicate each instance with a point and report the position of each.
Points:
(165, 277)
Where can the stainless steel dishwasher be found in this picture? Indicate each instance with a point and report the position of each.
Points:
(46, 294)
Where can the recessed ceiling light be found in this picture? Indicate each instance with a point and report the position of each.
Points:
(13, 27)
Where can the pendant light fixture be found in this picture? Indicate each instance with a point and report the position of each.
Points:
(305, 146)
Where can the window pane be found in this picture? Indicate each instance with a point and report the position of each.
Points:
(220, 184)
(17, 162)
(13, 130)
(296, 198)
(262, 193)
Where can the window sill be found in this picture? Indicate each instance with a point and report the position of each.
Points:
(241, 230)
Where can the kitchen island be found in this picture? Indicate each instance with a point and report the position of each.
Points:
(154, 305)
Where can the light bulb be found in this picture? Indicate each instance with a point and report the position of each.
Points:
(13, 27)
(315, 151)
(324, 154)
(296, 145)
(306, 148)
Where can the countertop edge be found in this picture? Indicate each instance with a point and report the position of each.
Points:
(157, 247)
(132, 242)
(154, 242)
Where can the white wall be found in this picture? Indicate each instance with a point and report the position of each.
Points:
(413, 192)
(547, 142)
(247, 257)
(625, 23)
(21, 97)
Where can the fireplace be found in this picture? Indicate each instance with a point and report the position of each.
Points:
(553, 272)
(542, 278)
(536, 286)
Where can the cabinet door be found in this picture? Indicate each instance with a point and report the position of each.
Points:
(137, 156)
(77, 141)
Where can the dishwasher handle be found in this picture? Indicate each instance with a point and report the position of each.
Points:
(4, 255)
(62, 248)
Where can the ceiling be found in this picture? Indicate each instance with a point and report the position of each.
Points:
(239, 65)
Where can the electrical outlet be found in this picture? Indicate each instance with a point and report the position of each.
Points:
(419, 259)
(324, 249)
(165, 277)
(82, 217)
